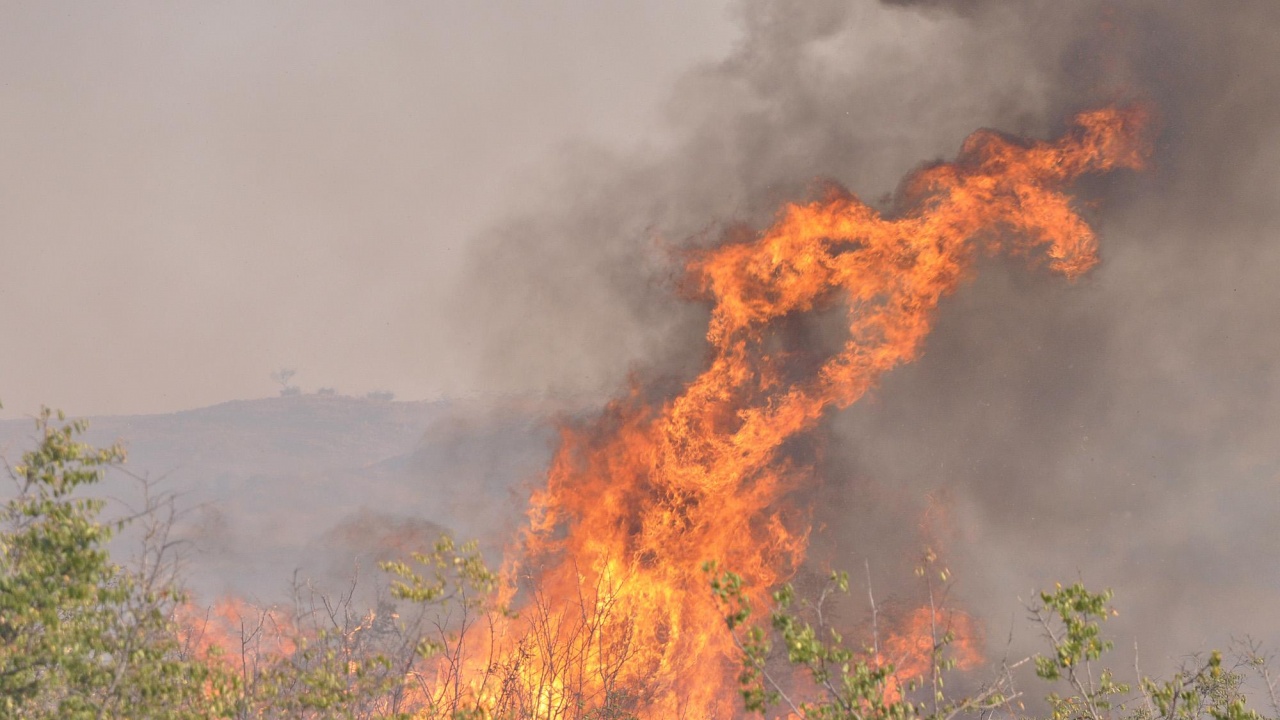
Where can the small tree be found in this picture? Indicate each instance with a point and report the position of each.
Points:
(850, 684)
(80, 636)
(843, 683)
(282, 377)
(1070, 618)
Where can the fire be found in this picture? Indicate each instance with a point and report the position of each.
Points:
(910, 650)
(635, 502)
(235, 633)
(613, 607)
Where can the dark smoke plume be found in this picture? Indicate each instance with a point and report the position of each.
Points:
(1120, 429)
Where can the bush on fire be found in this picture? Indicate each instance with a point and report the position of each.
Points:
(84, 637)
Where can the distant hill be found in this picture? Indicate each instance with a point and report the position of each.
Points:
(321, 483)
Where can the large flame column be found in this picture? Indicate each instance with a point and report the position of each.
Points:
(636, 502)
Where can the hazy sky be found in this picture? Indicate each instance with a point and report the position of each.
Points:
(194, 194)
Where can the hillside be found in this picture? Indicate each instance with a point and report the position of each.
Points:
(320, 483)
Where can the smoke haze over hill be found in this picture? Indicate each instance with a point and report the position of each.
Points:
(324, 486)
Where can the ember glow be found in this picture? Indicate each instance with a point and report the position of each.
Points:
(635, 502)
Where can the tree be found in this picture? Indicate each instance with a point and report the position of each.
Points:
(80, 636)
(1070, 618)
(282, 377)
(843, 682)
(850, 683)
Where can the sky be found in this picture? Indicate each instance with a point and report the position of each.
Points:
(197, 194)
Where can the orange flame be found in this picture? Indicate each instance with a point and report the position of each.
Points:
(910, 649)
(235, 633)
(636, 502)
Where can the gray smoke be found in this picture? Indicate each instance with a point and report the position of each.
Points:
(1120, 429)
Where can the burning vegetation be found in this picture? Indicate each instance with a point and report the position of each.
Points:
(668, 562)
(663, 518)
(637, 502)
(664, 526)
(603, 601)
(652, 577)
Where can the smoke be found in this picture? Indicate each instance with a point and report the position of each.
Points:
(1119, 429)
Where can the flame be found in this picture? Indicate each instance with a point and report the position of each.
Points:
(910, 649)
(234, 633)
(636, 501)
(612, 604)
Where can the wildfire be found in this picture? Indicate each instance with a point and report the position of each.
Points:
(910, 650)
(612, 604)
(234, 632)
(636, 502)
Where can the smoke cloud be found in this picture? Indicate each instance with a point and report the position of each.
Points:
(1119, 429)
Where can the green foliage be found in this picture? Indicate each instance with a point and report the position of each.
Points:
(852, 687)
(449, 572)
(848, 684)
(1206, 691)
(758, 692)
(323, 679)
(455, 585)
(82, 637)
(1070, 617)
(330, 661)
(1079, 612)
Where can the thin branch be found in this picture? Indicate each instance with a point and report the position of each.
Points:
(875, 616)
(1146, 699)
(764, 672)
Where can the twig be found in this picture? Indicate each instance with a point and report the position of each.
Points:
(875, 617)
(1146, 699)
